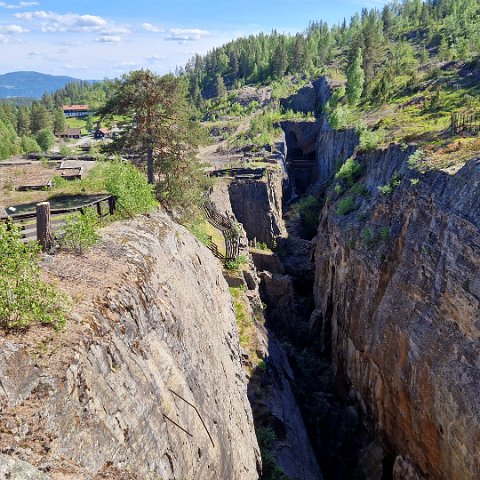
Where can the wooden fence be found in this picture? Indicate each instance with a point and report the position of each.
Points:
(44, 222)
(240, 173)
(465, 122)
(229, 232)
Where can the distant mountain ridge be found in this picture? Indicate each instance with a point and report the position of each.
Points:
(31, 84)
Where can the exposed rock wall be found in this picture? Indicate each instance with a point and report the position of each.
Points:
(257, 205)
(397, 292)
(145, 380)
(332, 149)
(301, 137)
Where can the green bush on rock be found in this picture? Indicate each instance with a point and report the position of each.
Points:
(24, 297)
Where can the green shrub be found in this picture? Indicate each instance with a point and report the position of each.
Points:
(65, 150)
(368, 237)
(349, 171)
(340, 118)
(386, 189)
(370, 139)
(395, 182)
(24, 298)
(346, 205)
(197, 229)
(309, 211)
(385, 233)
(30, 145)
(80, 232)
(270, 468)
(45, 139)
(416, 158)
(338, 189)
(360, 189)
(130, 187)
(236, 263)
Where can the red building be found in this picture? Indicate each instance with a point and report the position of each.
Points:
(76, 110)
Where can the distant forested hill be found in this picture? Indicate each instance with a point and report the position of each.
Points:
(31, 84)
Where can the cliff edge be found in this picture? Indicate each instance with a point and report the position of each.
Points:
(146, 379)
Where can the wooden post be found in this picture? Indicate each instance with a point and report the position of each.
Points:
(44, 226)
(99, 209)
(111, 205)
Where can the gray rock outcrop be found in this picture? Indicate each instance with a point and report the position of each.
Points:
(397, 289)
(146, 379)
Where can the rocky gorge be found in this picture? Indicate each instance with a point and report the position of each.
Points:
(364, 362)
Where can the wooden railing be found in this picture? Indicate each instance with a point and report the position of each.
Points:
(465, 122)
(229, 232)
(239, 173)
(45, 221)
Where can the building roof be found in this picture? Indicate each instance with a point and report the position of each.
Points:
(83, 108)
(70, 131)
(104, 130)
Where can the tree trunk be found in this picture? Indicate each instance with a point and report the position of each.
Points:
(44, 226)
(150, 175)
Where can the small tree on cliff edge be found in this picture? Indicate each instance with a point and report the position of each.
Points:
(156, 125)
(355, 79)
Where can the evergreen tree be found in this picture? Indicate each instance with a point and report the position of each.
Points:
(220, 90)
(39, 117)
(59, 122)
(279, 61)
(355, 79)
(157, 126)
(298, 60)
(23, 121)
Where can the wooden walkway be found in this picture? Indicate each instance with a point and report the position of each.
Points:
(229, 232)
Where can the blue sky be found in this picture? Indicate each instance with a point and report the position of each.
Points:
(96, 39)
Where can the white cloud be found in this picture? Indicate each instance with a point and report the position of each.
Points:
(152, 28)
(72, 22)
(12, 29)
(154, 58)
(186, 34)
(108, 39)
(12, 6)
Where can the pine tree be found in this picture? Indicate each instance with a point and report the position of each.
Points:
(59, 123)
(23, 121)
(279, 61)
(39, 117)
(220, 90)
(355, 79)
(298, 60)
(157, 126)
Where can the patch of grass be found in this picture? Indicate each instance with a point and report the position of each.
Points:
(236, 263)
(395, 182)
(346, 205)
(349, 172)
(246, 325)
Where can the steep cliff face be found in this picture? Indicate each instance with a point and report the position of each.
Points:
(332, 149)
(146, 380)
(257, 204)
(397, 295)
